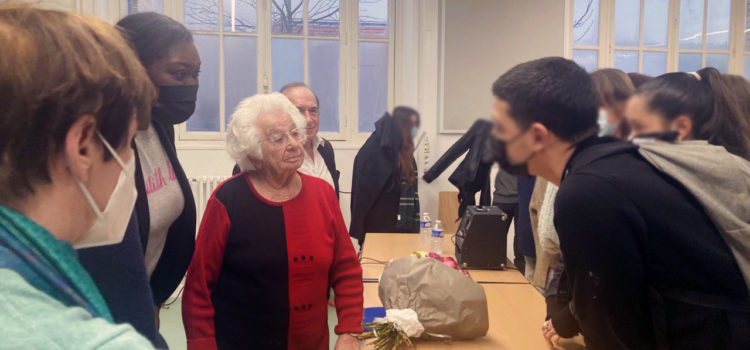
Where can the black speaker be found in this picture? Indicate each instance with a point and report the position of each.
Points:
(481, 238)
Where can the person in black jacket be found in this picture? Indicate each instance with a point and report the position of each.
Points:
(646, 266)
(319, 158)
(384, 181)
(165, 206)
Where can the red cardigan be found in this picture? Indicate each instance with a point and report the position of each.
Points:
(261, 271)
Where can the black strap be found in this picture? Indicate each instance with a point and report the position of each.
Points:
(326, 151)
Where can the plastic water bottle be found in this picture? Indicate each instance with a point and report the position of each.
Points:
(437, 238)
(425, 228)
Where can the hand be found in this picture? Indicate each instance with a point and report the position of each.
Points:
(550, 334)
(347, 342)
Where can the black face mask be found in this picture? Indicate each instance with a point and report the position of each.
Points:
(498, 153)
(667, 136)
(175, 104)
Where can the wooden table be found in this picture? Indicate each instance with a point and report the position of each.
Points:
(386, 246)
(516, 313)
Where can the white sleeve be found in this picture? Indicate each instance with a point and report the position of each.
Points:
(31, 319)
(547, 235)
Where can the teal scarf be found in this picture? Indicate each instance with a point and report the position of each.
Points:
(48, 264)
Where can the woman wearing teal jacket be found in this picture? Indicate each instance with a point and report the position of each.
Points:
(72, 94)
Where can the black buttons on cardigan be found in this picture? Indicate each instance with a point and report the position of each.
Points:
(303, 307)
(311, 258)
(303, 258)
(295, 259)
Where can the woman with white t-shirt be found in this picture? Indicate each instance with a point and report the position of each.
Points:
(163, 223)
(165, 207)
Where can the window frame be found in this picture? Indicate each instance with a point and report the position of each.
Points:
(348, 39)
(606, 47)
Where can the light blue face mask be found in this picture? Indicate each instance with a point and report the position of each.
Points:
(414, 132)
(605, 128)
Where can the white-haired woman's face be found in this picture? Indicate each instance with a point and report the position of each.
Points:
(281, 146)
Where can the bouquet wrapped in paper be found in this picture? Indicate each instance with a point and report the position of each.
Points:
(446, 302)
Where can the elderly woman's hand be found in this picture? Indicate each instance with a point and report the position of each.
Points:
(347, 342)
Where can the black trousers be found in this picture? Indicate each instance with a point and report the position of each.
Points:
(512, 210)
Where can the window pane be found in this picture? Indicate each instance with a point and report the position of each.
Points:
(746, 69)
(627, 61)
(240, 71)
(145, 6)
(241, 17)
(691, 24)
(286, 16)
(202, 15)
(323, 17)
(654, 63)
(287, 61)
(627, 19)
(586, 22)
(373, 84)
(717, 25)
(689, 62)
(747, 27)
(718, 61)
(373, 19)
(655, 23)
(323, 58)
(206, 115)
(588, 59)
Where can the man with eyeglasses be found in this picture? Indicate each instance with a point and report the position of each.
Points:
(319, 158)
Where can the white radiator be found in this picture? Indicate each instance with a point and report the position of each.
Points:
(203, 187)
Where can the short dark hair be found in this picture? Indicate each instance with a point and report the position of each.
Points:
(297, 84)
(553, 91)
(153, 34)
(56, 67)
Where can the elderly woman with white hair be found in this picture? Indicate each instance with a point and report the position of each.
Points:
(271, 243)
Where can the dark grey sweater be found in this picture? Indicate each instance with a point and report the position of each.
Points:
(506, 188)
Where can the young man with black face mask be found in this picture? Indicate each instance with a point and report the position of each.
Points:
(647, 267)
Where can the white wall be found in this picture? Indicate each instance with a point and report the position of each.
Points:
(485, 38)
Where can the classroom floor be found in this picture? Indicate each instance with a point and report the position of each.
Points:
(174, 333)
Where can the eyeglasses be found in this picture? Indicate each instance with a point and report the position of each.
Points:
(312, 110)
(281, 139)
